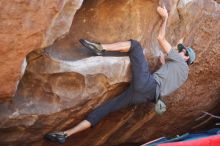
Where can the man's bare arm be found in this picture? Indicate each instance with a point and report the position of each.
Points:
(165, 45)
(162, 58)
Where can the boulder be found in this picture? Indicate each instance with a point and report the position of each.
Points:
(26, 26)
(65, 82)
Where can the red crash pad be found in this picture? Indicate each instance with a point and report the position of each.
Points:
(208, 141)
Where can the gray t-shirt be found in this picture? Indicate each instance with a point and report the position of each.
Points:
(172, 74)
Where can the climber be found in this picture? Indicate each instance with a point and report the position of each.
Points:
(144, 87)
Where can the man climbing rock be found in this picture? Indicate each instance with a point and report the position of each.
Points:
(144, 87)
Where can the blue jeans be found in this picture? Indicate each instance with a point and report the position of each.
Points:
(142, 88)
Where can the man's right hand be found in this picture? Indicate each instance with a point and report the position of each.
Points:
(162, 12)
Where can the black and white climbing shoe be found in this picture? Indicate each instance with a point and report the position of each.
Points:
(95, 47)
(59, 137)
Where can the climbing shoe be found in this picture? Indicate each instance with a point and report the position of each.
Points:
(95, 47)
(59, 137)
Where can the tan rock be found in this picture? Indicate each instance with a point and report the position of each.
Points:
(25, 26)
(59, 90)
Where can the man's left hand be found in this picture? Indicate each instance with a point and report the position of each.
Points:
(162, 12)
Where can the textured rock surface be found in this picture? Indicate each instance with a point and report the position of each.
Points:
(27, 25)
(57, 91)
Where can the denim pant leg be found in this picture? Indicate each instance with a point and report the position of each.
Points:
(144, 85)
(118, 102)
(141, 90)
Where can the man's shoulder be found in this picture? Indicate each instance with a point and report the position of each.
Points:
(173, 55)
(172, 52)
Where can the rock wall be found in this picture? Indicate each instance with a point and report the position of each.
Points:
(64, 83)
(27, 25)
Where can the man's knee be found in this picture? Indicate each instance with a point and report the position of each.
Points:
(135, 44)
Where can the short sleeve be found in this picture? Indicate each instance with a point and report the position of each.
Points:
(175, 56)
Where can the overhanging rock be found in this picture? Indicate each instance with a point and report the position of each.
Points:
(61, 87)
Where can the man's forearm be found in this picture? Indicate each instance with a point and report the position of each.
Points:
(162, 31)
(165, 45)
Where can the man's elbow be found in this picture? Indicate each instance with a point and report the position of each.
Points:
(160, 38)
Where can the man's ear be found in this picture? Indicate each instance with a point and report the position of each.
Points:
(187, 58)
